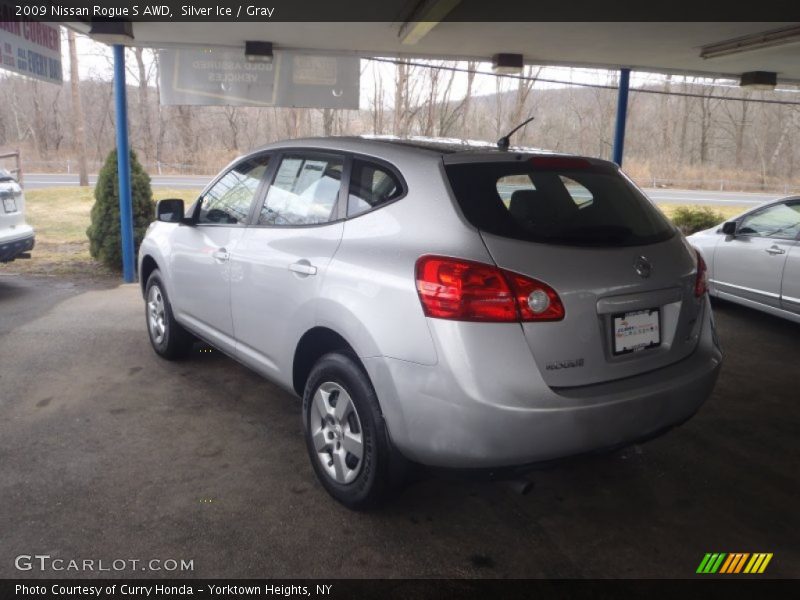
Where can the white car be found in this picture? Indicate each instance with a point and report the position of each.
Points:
(754, 259)
(16, 236)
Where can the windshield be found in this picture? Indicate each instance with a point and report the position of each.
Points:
(567, 201)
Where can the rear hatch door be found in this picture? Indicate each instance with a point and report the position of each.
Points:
(624, 274)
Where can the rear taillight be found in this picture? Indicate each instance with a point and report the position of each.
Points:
(536, 301)
(463, 290)
(701, 279)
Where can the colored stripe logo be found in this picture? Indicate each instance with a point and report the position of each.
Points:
(734, 563)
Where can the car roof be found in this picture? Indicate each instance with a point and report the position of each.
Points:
(387, 145)
(449, 145)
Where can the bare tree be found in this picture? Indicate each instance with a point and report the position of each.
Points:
(706, 121)
(328, 121)
(406, 98)
(667, 136)
(434, 74)
(78, 118)
(144, 104)
(735, 123)
(524, 87)
(185, 129)
(499, 130)
(231, 115)
(449, 112)
(686, 110)
(400, 92)
(159, 141)
(466, 124)
(378, 101)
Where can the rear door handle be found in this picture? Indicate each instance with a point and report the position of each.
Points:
(221, 255)
(775, 250)
(303, 267)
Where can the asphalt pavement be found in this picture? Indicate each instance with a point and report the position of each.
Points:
(108, 452)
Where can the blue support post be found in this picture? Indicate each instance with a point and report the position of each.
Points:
(622, 115)
(123, 165)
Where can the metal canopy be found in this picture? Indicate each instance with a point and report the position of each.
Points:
(732, 48)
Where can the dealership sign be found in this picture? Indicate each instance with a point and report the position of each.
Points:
(226, 77)
(32, 49)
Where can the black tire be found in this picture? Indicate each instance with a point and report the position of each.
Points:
(380, 467)
(175, 342)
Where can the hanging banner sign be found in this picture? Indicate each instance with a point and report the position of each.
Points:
(32, 49)
(227, 78)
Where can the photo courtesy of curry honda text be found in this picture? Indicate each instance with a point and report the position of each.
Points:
(444, 304)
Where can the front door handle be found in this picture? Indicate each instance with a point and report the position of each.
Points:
(775, 250)
(303, 267)
(221, 255)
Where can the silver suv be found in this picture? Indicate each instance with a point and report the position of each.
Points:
(438, 303)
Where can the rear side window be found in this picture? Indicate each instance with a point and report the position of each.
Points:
(304, 192)
(370, 186)
(568, 201)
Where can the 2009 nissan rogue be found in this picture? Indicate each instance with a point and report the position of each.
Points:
(442, 303)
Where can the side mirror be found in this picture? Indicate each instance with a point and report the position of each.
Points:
(729, 228)
(170, 211)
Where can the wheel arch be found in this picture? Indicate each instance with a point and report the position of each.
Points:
(148, 265)
(313, 344)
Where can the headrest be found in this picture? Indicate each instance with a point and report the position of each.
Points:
(529, 206)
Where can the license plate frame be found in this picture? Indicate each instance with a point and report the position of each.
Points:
(643, 331)
(9, 205)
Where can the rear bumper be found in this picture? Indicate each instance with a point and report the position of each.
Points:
(12, 248)
(502, 414)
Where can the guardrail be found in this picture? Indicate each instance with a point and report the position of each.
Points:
(722, 185)
(68, 165)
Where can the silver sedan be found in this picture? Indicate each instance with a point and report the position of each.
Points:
(754, 259)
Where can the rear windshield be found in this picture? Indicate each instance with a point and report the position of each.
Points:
(567, 201)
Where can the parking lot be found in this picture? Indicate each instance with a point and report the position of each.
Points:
(107, 451)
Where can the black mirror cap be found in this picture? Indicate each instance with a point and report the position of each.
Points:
(170, 210)
(729, 228)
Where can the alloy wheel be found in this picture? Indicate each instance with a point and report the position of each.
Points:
(336, 432)
(155, 314)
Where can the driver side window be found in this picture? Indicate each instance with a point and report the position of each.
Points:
(228, 201)
(780, 221)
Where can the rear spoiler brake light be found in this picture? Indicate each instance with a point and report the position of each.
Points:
(560, 162)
